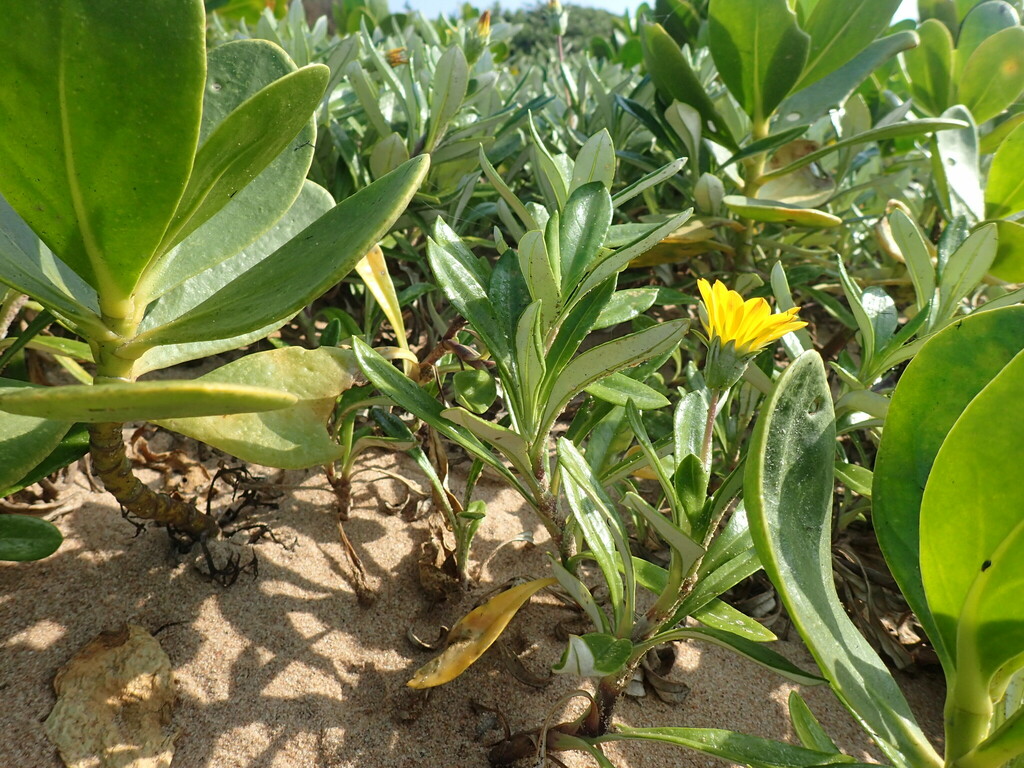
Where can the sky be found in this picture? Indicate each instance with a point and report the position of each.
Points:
(435, 7)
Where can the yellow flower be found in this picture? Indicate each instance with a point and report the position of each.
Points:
(737, 330)
(396, 57)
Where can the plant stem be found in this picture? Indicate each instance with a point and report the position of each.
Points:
(753, 169)
(709, 429)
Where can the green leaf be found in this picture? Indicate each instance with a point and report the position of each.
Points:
(1009, 262)
(1004, 192)
(728, 745)
(781, 213)
(235, 72)
(966, 268)
(973, 479)
(277, 287)
(929, 68)
(810, 102)
(807, 727)
(475, 390)
(25, 441)
(594, 364)
(27, 538)
(138, 400)
(841, 30)
(79, 141)
(993, 77)
(293, 437)
(387, 154)
(674, 77)
(788, 492)
(944, 377)
(593, 655)
(983, 21)
(955, 168)
(510, 443)
(719, 615)
(313, 202)
(584, 225)
(618, 389)
(243, 144)
(910, 239)
(447, 92)
(73, 446)
(594, 162)
(625, 305)
(759, 50)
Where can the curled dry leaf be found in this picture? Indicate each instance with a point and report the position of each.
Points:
(474, 633)
(114, 704)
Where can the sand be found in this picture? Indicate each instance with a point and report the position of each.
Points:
(287, 669)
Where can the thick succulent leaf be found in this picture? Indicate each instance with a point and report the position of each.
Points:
(313, 202)
(840, 30)
(788, 493)
(944, 377)
(595, 654)
(1004, 192)
(778, 212)
(594, 162)
(277, 287)
(290, 438)
(1009, 262)
(585, 220)
(971, 505)
(243, 144)
(929, 68)
(73, 446)
(955, 165)
(79, 140)
(620, 389)
(447, 92)
(140, 400)
(235, 72)
(474, 633)
(27, 265)
(27, 538)
(993, 77)
(718, 614)
(734, 747)
(984, 20)
(759, 50)
(24, 440)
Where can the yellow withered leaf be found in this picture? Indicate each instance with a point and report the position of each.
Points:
(474, 633)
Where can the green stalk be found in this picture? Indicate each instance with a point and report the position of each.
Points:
(753, 170)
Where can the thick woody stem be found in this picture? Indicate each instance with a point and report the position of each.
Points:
(113, 468)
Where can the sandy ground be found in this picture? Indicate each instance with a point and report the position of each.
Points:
(288, 670)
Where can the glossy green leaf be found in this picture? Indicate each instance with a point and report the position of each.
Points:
(993, 78)
(971, 505)
(27, 538)
(788, 493)
(235, 72)
(955, 166)
(303, 268)
(1004, 192)
(313, 202)
(810, 102)
(625, 305)
(759, 50)
(912, 245)
(840, 30)
(73, 446)
(25, 441)
(584, 225)
(593, 655)
(141, 400)
(294, 437)
(79, 140)
(1009, 262)
(619, 389)
(965, 268)
(718, 614)
(718, 581)
(929, 68)
(728, 745)
(984, 20)
(945, 375)
(244, 143)
(447, 91)
(807, 727)
(474, 389)
(780, 213)
(674, 77)
(612, 356)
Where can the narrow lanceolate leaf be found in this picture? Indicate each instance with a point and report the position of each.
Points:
(612, 356)
(245, 143)
(290, 438)
(474, 633)
(79, 141)
(915, 252)
(944, 377)
(840, 30)
(759, 50)
(140, 400)
(788, 493)
(509, 443)
(448, 90)
(302, 269)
